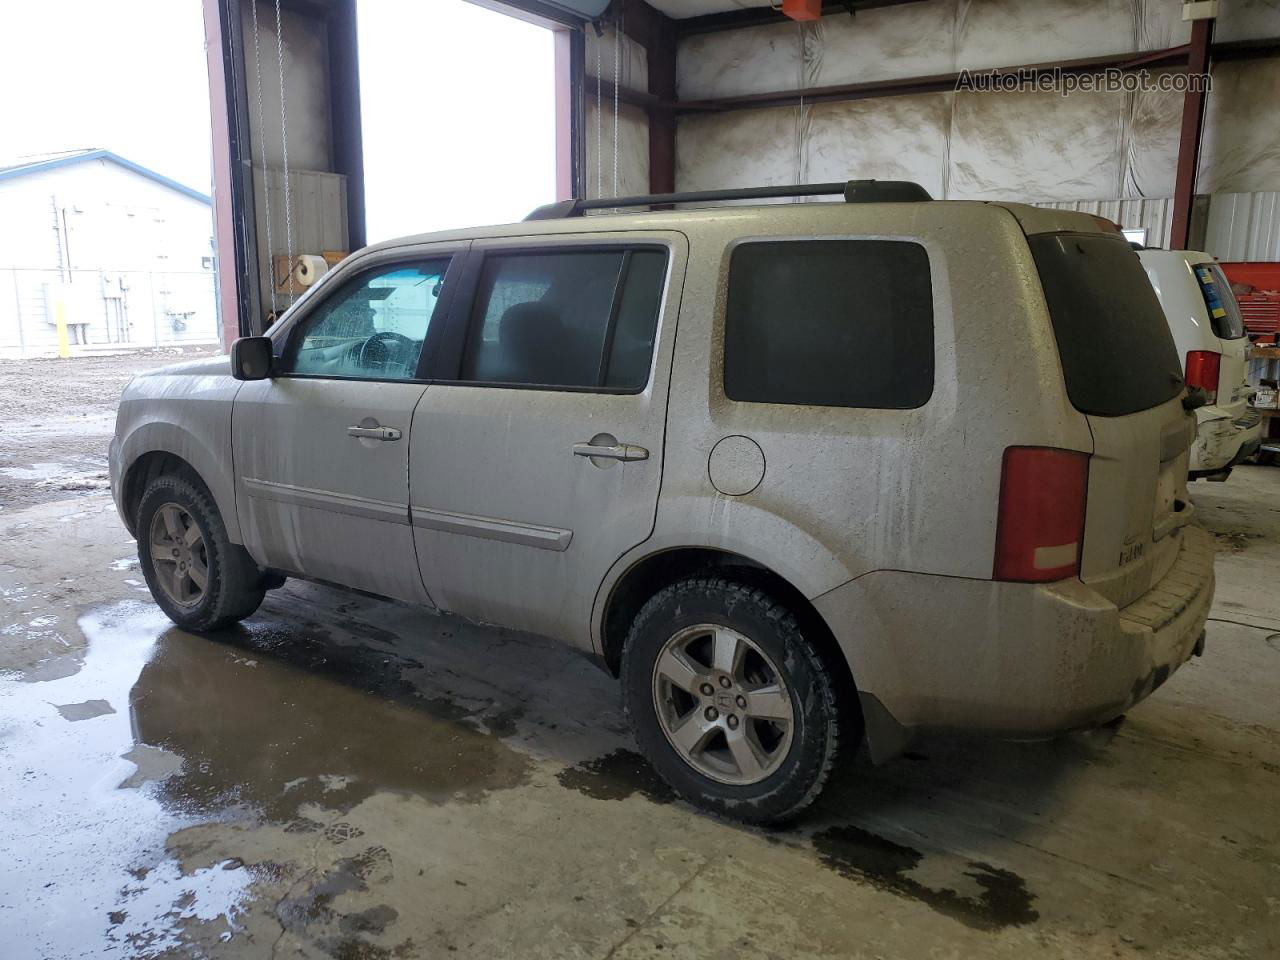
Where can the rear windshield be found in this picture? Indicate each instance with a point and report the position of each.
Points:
(1117, 353)
(1224, 312)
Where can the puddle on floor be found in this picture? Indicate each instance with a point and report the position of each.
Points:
(162, 730)
(1002, 899)
(616, 776)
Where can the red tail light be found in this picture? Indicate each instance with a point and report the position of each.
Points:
(1040, 528)
(1202, 371)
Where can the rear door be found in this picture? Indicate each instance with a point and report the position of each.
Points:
(1123, 372)
(321, 449)
(539, 463)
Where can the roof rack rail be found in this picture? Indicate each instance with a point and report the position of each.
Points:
(853, 191)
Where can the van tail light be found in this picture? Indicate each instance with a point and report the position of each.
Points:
(1040, 527)
(1202, 372)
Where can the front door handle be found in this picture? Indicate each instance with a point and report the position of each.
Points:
(374, 433)
(611, 451)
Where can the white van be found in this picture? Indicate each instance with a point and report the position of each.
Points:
(1209, 333)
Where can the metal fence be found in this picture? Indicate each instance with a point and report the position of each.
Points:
(97, 309)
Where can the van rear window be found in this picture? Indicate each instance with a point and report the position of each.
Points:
(1224, 312)
(1117, 352)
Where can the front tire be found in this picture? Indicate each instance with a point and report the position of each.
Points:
(732, 704)
(198, 577)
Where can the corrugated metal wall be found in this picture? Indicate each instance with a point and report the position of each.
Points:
(317, 214)
(1244, 226)
(1152, 213)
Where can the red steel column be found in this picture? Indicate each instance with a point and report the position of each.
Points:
(661, 55)
(226, 278)
(1184, 189)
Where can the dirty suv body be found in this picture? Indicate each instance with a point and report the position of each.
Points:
(802, 475)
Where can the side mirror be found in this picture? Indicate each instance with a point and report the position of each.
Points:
(251, 358)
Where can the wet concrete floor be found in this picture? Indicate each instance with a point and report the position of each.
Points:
(348, 777)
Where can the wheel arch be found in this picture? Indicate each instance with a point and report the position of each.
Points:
(143, 470)
(656, 570)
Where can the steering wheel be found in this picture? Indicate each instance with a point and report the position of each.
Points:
(390, 344)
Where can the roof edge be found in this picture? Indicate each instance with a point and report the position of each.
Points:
(41, 165)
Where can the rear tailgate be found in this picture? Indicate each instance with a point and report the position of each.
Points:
(1137, 500)
(1123, 372)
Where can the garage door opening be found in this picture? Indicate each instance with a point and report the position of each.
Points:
(458, 114)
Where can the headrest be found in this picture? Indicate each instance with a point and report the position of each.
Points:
(529, 323)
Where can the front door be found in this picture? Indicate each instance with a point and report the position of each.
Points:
(322, 448)
(539, 464)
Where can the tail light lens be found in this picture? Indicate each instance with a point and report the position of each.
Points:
(1202, 371)
(1041, 519)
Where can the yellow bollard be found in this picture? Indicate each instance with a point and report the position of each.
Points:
(60, 318)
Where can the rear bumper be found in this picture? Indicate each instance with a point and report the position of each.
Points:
(1223, 438)
(1012, 660)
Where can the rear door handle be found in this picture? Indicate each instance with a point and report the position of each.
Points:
(616, 451)
(374, 433)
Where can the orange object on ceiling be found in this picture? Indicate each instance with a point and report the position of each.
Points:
(802, 9)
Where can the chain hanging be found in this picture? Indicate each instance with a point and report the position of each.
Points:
(617, 80)
(284, 152)
(599, 124)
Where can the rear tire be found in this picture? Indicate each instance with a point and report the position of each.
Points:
(198, 577)
(732, 704)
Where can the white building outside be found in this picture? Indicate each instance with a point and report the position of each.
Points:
(121, 254)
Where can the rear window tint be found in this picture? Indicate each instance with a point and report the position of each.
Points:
(1224, 312)
(1117, 352)
(840, 323)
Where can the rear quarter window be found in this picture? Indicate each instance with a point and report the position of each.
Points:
(1224, 311)
(1117, 353)
(841, 323)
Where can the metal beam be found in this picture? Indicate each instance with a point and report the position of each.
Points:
(564, 84)
(1261, 48)
(766, 15)
(344, 115)
(661, 54)
(533, 11)
(629, 95)
(235, 221)
(1184, 188)
(928, 84)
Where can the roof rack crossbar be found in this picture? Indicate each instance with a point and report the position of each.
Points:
(853, 191)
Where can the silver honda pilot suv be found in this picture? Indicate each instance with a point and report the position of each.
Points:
(802, 475)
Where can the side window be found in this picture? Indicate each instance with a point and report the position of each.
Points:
(372, 327)
(571, 318)
(1224, 311)
(839, 323)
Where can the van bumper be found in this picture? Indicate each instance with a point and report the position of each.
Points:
(949, 654)
(1223, 440)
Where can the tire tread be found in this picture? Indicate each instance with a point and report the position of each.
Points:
(233, 576)
(817, 769)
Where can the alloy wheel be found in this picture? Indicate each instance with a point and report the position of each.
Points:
(723, 704)
(179, 555)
